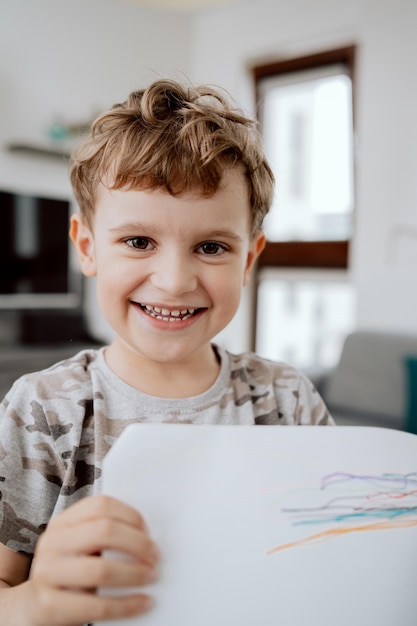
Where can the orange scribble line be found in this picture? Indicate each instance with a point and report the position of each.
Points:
(333, 532)
(394, 496)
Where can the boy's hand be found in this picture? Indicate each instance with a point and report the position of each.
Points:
(68, 566)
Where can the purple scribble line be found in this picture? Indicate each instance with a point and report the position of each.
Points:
(385, 501)
(401, 480)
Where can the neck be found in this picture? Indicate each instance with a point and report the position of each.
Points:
(164, 379)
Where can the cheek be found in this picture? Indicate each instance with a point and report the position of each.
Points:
(228, 286)
(113, 278)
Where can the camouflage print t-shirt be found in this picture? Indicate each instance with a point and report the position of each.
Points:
(57, 425)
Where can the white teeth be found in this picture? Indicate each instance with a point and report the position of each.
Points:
(166, 315)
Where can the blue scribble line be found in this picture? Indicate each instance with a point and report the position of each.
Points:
(376, 509)
(359, 515)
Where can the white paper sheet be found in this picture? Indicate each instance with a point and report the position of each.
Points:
(270, 526)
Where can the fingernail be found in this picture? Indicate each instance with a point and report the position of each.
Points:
(152, 576)
(155, 554)
(147, 603)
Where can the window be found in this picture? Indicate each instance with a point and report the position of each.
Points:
(303, 318)
(306, 114)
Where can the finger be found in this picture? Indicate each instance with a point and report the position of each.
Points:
(99, 506)
(95, 535)
(94, 572)
(65, 607)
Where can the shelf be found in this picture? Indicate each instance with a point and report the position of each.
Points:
(22, 301)
(58, 151)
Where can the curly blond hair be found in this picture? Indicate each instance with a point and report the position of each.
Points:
(175, 137)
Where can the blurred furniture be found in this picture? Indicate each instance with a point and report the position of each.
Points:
(374, 383)
(22, 359)
(31, 340)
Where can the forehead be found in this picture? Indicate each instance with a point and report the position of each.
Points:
(229, 202)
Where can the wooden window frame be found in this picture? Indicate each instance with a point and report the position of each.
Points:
(333, 254)
(308, 254)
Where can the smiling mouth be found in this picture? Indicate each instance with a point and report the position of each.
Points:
(166, 315)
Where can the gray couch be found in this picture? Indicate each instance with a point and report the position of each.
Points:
(369, 384)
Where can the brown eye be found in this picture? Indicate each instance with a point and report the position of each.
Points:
(139, 243)
(211, 248)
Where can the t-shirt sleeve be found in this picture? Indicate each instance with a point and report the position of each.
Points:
(310, 407)
(30, 469)
(280, 393)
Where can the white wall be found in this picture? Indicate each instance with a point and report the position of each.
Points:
(74, 57)
(229, 41)
(70, 59)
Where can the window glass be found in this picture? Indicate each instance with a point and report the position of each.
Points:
(306, 119)
(303, 320)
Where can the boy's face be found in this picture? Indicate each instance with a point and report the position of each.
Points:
(170, 270)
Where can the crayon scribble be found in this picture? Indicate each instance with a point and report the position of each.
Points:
(359, 503)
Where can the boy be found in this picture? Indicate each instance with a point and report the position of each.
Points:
(173, 187)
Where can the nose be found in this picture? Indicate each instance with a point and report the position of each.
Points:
(174, 272)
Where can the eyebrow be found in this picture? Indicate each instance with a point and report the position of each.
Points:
(222, 234)
(126, 229)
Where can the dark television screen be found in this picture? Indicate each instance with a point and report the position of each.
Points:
(34, 246)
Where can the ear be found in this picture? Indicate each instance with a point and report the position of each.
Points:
(83, 240)
(257, 244)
